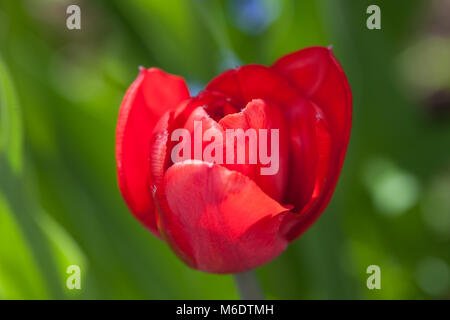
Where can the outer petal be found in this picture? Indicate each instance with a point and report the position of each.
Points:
(219, 220)
(316, 157)
(317, 74)
(253, 81)
(150, 95)
(304, 153)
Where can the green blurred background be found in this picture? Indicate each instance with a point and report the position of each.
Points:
(60, 91)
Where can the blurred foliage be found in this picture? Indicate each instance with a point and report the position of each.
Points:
(60, 91)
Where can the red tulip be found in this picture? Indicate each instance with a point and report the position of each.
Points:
(227, 218)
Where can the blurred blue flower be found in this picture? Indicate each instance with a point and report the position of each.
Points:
(253, 16)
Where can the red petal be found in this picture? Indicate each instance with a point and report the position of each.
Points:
(317, 74)
(150, 95)
(219, 220)
(160, 143)
(320, 78)
(304, 153)
(253, 82)
(163, 91)
(321, 169)
(260, 114)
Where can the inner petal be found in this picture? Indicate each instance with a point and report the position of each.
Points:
(253, 142)
(272, 148)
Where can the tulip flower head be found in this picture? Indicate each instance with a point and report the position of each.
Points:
(231, 176)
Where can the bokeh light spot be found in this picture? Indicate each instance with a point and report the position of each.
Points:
(432, 275)
(436, 206)
(393, 190)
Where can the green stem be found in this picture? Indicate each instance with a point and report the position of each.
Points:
(248, 286)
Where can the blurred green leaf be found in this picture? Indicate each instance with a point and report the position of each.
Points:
(20, 277)
(65, 250)
(10, 123)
